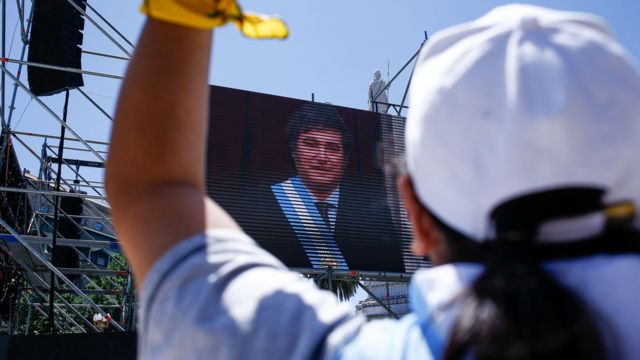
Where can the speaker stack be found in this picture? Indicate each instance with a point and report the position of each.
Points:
(65, 255)
(56, 36)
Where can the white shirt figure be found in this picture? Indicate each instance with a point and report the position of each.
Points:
(375, 88)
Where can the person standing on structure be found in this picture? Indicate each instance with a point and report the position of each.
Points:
(377, 89)
(522, 185)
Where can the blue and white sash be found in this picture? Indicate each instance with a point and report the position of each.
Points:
(298, 205)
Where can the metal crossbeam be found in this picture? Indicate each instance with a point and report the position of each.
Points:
(64, 69)
(57, 272)
(373, 296)
(361, 275)
(27, 251)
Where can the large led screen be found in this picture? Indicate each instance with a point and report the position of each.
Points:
(306, 180)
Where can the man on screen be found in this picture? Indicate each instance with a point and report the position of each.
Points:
(326, 212)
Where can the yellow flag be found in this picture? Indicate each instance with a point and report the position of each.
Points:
(207, 14)
(259, 26)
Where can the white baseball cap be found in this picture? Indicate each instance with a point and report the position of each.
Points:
(524, 99)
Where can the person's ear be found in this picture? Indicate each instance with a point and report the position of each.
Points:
(426, 237)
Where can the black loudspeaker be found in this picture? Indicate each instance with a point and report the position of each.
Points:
(65, 256)
(56, 36)
(72, 206)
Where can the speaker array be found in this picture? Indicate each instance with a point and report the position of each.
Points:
(56, 36)
(66, 257)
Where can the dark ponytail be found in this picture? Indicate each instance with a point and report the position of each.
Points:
(515, 309)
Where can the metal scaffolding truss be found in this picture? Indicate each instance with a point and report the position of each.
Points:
(101, 282)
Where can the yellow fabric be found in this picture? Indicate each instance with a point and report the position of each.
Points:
(207, 14)
(259, 26)
(621, 211)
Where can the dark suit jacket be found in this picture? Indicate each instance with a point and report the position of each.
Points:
(364, 232)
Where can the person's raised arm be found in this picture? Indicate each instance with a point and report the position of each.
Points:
(156, 166)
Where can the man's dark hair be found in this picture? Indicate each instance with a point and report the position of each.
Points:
(314, 116)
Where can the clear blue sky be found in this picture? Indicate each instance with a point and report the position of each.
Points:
(336, 45)
(334, 48)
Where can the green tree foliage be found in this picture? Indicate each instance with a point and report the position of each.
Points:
(344, 289)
